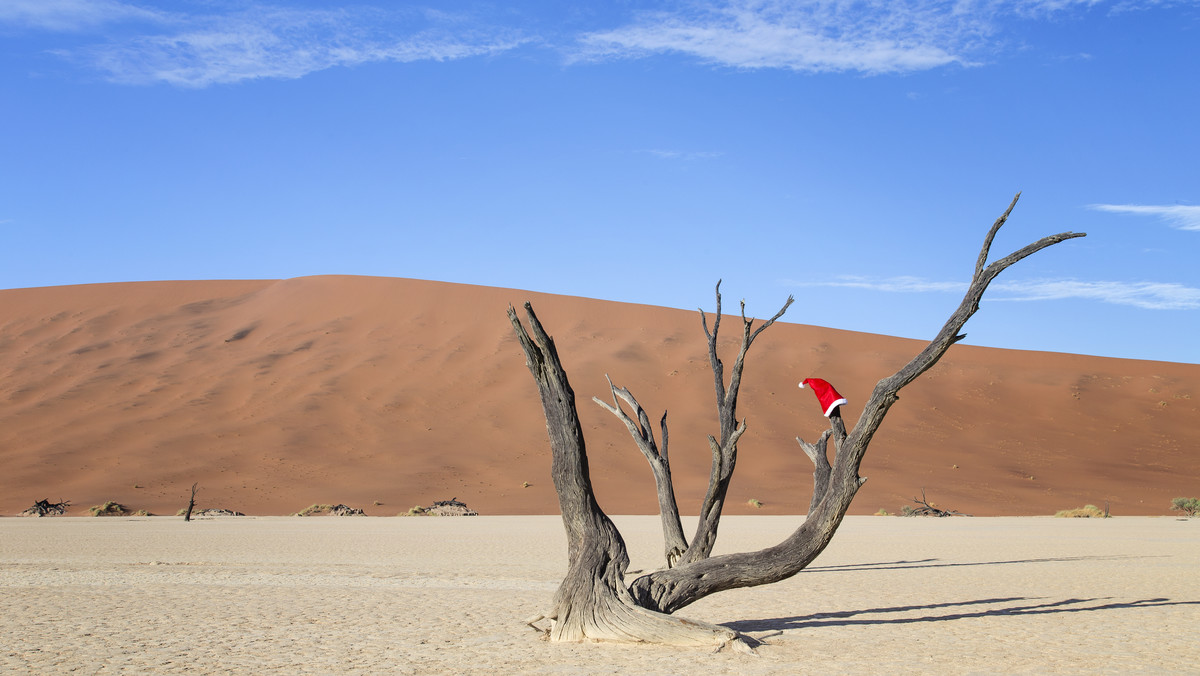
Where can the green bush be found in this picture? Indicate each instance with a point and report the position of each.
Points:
(1189, 506)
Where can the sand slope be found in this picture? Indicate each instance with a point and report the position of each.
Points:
(274, 395)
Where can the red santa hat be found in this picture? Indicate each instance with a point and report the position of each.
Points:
(829, 397)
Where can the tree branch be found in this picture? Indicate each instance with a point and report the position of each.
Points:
(724, 449)
(592, 601)
(674, 543)
(670, 590)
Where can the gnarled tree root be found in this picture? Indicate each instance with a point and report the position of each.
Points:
(606, 616)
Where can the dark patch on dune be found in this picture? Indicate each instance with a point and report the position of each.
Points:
(93, 347)
(241, 334)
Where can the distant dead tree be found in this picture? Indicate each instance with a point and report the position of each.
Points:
(594, 601)
(44, 507)
(191, 503)
(927, 508)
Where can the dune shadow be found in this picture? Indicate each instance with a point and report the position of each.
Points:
(996, 607)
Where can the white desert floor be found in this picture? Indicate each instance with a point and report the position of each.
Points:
(328, 595)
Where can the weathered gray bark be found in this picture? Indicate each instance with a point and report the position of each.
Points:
(724, 449)
(674, 542)
(591, 602)
(819, 454)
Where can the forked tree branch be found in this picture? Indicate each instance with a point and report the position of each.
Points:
(724, 449)
(669, 590)
(674, 542)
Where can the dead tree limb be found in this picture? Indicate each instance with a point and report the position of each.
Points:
(592, 602)
(724, 449)
(670, 590)
(674, 542)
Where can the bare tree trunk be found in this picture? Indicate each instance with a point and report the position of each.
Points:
(191, 503)
(592, 602)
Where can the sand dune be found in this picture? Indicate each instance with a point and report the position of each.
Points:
(274, 395)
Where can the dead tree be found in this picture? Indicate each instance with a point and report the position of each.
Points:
(927, 508)
(594, 601)
(44, 507)
(191, 503)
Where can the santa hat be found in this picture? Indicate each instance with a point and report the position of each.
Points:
(829, 397)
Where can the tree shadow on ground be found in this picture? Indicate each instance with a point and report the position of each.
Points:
(937, 563)
(1040, 606)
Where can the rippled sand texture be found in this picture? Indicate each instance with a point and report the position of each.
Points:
(322, 595)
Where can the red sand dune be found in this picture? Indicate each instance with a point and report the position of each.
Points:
(274, 395)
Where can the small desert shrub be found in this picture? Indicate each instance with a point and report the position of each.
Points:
(883, 512)
(1085, 512)
(1189, 506)
(142, 512)
(331, 510)
(415, 511)
(755, 503)
(314, 509)
(109, 508)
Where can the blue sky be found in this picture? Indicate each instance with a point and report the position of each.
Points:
(850, 153)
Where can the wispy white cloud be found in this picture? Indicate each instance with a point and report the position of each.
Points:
(873, 37)
(1146, 295)
(256, 41)
(277, 43)
(1179, 216)
(1143, 5)
(806, 36)
(72, 15)
(888, 284)
(196, 48)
